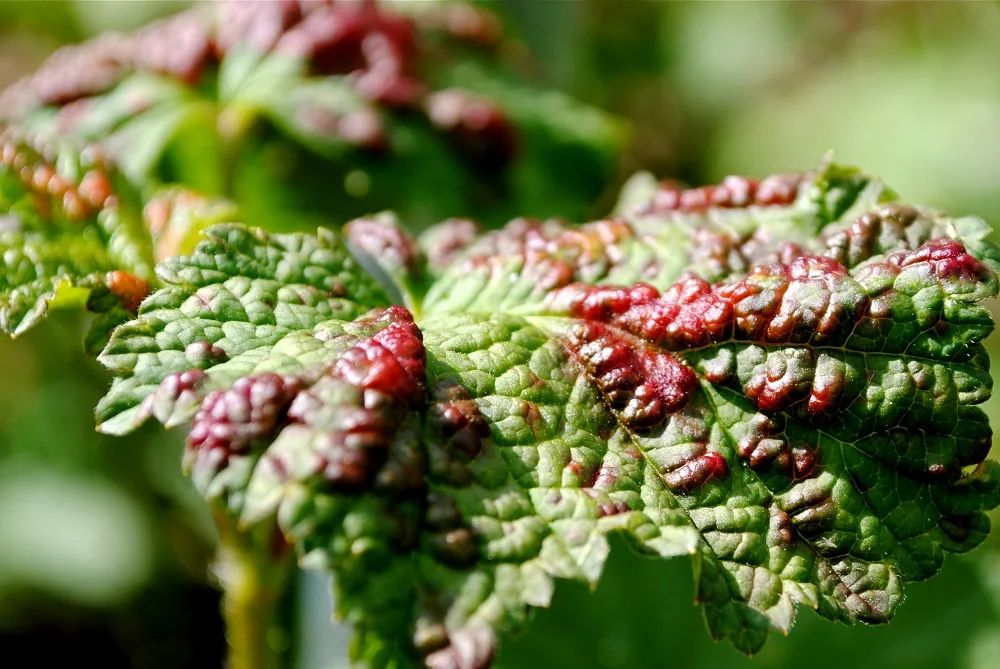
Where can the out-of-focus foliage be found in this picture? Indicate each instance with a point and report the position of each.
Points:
(309, 113)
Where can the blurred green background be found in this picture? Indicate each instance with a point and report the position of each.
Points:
(103, 545)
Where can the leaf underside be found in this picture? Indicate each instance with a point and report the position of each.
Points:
(777, 378)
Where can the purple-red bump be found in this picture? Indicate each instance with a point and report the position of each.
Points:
(179, 382)
(765, 445)
(788, 252)
(532, 416)
(643, 383)
(688, 315)
(363, 128)
(939, 471)
(552, 254)
(95, 188)
(376, 51)
(449, 239)
(947, 258)
(815, 267)
(39, 179)
(393, 361)
(779, 189)
(607, 477)
(612, 509)
(783, 380)
(861, 240)
(781, 531)
(735, 192)
(356, 39)
(442, 512)
(720, 369)
(231, 420)
(696, 472)
(813, 512)
(76, 209)
(803, 463)
(587, 474)
(460, 430)
(824, 397)
(347, 467)
(457, 416)
(205, 352)
(606, 506)
(405, 466)
(172, 388)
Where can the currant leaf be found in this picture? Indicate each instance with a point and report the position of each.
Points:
(777, 378)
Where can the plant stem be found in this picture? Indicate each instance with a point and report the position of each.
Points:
(253, 575)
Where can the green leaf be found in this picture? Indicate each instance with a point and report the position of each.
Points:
(778, 378)
(71, 236)
(240, 294)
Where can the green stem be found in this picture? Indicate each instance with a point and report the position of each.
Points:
(253, 576)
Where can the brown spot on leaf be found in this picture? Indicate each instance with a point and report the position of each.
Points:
(696, 472)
